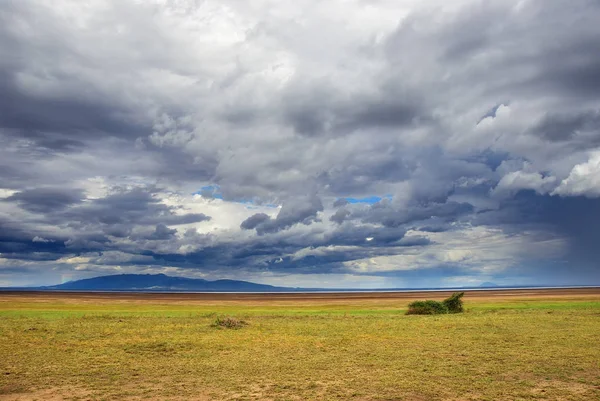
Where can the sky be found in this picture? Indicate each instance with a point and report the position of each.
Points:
(340, 144)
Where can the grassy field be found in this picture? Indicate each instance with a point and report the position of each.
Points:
(502, 348)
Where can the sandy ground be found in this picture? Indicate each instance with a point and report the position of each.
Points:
(294, 298)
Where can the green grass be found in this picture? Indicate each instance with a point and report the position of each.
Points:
(510, 350)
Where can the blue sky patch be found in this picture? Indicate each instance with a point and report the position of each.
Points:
(210, 191)
(370, 200)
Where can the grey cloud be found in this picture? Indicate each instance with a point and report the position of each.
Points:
(374, 165)
(253, 221)
(313, 109)
(564, 127)
(188, 218)
(416, 240)
(300, 210)
(340, 202)
(580, 78)
(340, 215)
(119, 231)
(433, 229)
(11, 177)
(162, 232)
(88, 242)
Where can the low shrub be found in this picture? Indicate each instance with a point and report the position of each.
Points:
(426, 308)
(229, 323)
(452, 304)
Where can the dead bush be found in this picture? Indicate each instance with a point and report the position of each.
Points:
(228, 322)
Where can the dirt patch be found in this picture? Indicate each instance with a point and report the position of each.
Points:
(52, 394)
(555, 389)
(75, 394)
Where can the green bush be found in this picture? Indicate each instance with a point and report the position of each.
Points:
(452, 304)
(426, 308)
(455, 303)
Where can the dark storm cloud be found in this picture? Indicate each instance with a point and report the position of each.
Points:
(130, 207)
(134, 214)
(574, 217)
(17, 242)
(391, 216)
(12, 232)
(46, 200)
(302, 112)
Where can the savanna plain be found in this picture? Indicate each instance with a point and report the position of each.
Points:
(508, 345)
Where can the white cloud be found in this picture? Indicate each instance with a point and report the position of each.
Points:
(515, 181)
(584, 179)
(481, 250)
(40, 239)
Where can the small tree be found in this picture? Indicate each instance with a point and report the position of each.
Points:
(454, 303)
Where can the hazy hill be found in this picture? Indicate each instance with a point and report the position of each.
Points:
(488, 284)
(160, 282)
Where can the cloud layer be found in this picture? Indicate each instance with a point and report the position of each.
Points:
(359, 144)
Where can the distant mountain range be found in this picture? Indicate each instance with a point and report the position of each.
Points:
(164, 283)
(161, 282)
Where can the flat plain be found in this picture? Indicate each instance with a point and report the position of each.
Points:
(508, 345)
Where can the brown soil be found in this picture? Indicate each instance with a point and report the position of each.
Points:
(316, 298)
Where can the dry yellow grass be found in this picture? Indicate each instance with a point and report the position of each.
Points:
(542, 347)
